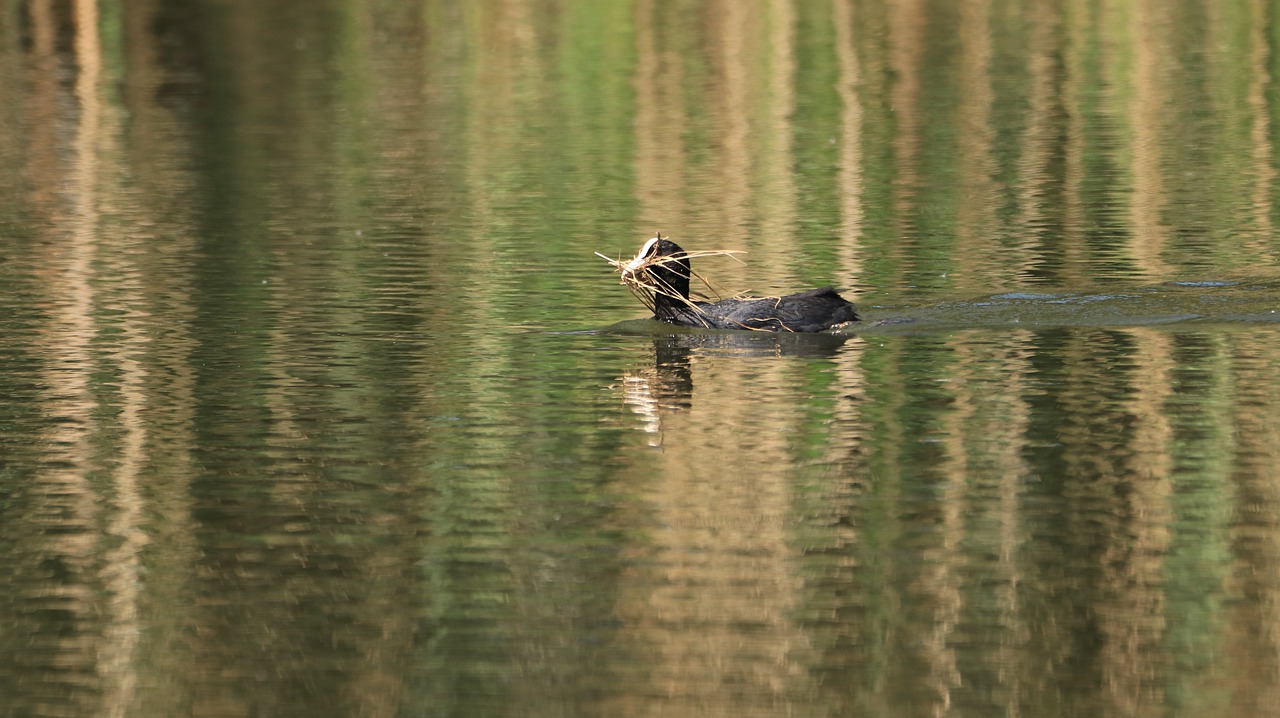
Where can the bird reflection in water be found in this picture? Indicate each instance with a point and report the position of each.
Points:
(667, 386)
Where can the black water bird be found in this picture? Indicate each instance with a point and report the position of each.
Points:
(660, 274)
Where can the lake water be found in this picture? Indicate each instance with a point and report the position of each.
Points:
(317, 401)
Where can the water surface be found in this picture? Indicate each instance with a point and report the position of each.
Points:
(318, 401)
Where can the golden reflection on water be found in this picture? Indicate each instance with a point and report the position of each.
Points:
(1263, 118)
(65, 497)
(68, 499)
(96, 131)
(1253, 633)
(850, 186)
(710, 602)
(1145, 118)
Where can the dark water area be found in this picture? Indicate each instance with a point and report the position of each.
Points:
(317, 400)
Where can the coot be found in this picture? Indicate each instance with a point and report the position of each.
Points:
(662, 271)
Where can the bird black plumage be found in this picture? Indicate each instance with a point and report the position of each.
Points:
(662, 267)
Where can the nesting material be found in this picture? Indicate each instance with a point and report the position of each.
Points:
(645, 286)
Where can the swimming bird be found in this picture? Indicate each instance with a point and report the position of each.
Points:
(660, 276)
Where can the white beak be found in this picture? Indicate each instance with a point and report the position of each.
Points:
(634, 265)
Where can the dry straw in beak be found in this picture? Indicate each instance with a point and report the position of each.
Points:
(638, 278)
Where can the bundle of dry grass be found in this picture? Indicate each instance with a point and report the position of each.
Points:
(645, 285)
